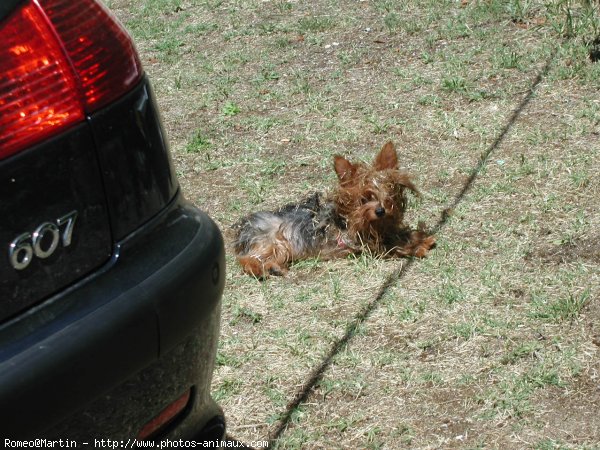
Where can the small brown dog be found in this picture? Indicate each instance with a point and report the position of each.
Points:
(365, 213)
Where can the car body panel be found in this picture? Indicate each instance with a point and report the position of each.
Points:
(99, 336)
(135, 162)
(8, 6)
(39, 186)
(109, 327)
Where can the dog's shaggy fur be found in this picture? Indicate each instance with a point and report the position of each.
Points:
(365, 212)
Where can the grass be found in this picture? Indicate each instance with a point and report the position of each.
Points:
(494, 339)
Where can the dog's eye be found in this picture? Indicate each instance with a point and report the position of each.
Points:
(368, 197)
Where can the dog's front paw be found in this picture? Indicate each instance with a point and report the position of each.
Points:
(424, 246)
(275, 269)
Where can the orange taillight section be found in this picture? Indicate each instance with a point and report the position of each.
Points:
(165, 417)
(99, 47)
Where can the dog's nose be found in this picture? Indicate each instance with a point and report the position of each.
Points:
(380, 212)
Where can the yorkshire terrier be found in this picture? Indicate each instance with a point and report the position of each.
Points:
(364, 213)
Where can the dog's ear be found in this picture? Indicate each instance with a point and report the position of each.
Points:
(387, 158)
(343, 168)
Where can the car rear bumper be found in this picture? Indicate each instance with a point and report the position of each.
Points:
(106, 355)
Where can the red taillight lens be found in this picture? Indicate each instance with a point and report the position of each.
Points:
(165, 417)
(101, 50)
(58, 60)
(38, 90)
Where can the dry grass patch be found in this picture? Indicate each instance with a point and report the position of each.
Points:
(493, 340)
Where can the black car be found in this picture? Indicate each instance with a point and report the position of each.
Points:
(111, 283)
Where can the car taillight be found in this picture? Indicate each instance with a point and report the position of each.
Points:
(38, 90)
(59, 60)
(100, 49)
(165, 417)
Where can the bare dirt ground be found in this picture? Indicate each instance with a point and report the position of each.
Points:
(494, 340)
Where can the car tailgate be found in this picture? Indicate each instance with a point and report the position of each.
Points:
(55, 227)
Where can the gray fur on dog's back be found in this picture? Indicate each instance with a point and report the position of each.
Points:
(303, 225)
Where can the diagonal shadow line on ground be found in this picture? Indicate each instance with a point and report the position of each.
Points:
(317, 374)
